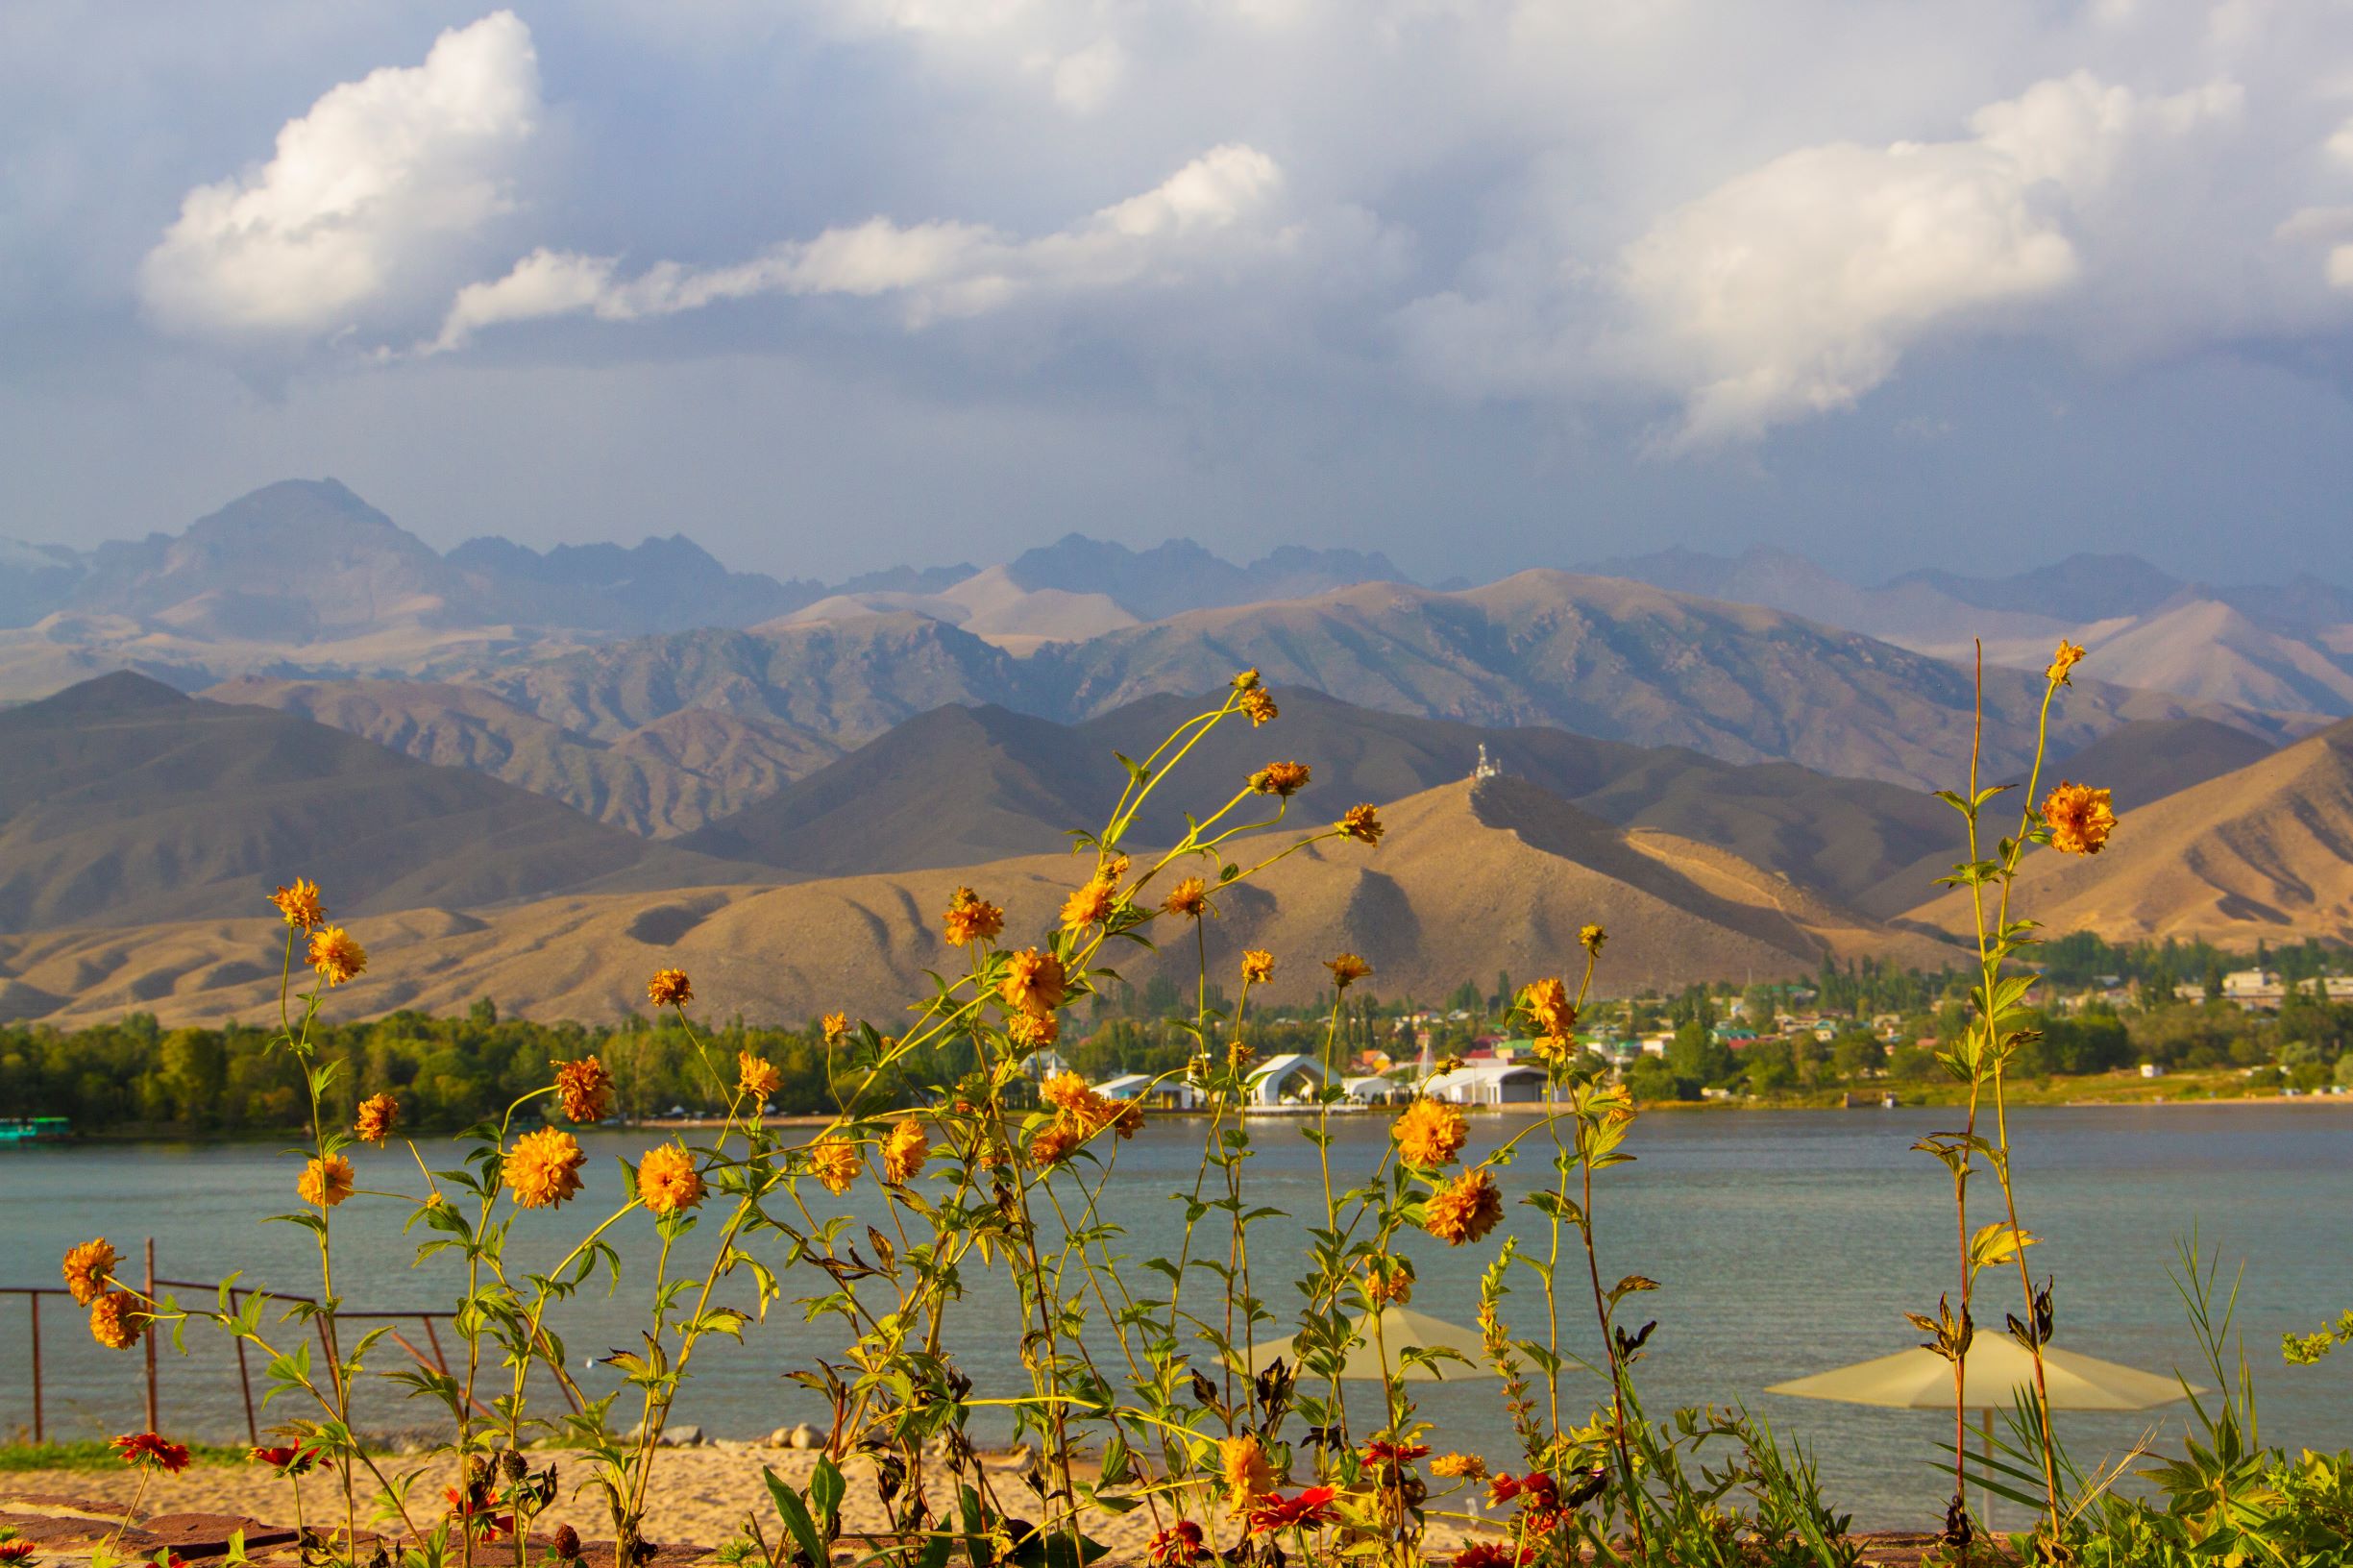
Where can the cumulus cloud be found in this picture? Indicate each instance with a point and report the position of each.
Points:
(1796, 287)
(1214, 207)
(367, 194)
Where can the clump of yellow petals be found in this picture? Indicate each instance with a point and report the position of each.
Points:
(1465, 1209)
(1590, 938)
(970, 918)
(1547, 1004)
(2080, 818)
(1347, 970)
(1362, 824)
(1246, 680)
(337, 955)
(1080, 1112)
(836, 1161)
(2066, 659)
(1388, 1282)
(669, 987)
(1089, 903)
(326, 1182)
(585, 1088)
(118, 1320)
(904, 1152)
(1430, 1133)
(543, 1168)
(835, 1025)
(1283, 778)
(378, 1116)
(667, 1181)
(1034, 982)
(300, 905)
(1258, 966)
(1241, 1464)
(1259, 706)
(756, 1077)
(1189, 898)
(1034, 1031)
(88, 1267)
(1459, 1467)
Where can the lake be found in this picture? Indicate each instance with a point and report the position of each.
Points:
(1785, 1243)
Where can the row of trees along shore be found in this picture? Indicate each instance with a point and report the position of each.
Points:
(2108, 1007)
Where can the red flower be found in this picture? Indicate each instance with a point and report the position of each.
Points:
(1539, 1497)
(476, 1517)
(1493, 1555)
(166, 1557)
(1313, 1507)
(145, 1448)
(1381, 1454)
(16, 1554)
(1178, 1545)
(293, 1461)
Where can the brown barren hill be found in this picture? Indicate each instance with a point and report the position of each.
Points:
(1469, 879)
(2266, 851)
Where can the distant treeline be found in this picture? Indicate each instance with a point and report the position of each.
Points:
(446, 1072)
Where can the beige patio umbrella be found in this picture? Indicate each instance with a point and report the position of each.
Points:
(1997, 1371)
(1400, 1327)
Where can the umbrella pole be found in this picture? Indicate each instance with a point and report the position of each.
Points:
(1984, 1485)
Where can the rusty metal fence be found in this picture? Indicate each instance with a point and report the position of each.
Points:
(33, 1295)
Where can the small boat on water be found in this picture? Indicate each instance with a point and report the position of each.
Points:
(33, 1129)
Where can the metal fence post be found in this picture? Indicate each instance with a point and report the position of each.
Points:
(150, 1336)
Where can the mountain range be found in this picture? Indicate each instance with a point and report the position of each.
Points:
(495, 751)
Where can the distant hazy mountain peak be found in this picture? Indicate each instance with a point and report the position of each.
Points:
(1179, 574)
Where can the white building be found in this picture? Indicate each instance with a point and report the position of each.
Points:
(1489, 1083)
(1166, 1094)
(1375, 1090)
(1287, 1079)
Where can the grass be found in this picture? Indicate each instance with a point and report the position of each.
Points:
(97, 1453)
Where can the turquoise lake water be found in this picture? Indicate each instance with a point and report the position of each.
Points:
(1785, 1243)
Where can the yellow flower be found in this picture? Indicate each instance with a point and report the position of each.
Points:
(972, 918)
(118, 1320)
(378, 1115)
(1090, 903)
(1388, 1281)
(544, 1167)
(1067, 1092)
(756, 1077)
(88, 1267)
(669, 987)
(1188, 898)
(1258, 966)
(1346, 969)
(1547, 1004)
(1034, 982)
(1259, 706)
(904, 1152)
(1034, 1030)
(667, 1181)
(1238, 1055)
(1459, 1467)
(836, 1161)
(1283, 778)
(1362, 824)
(1430, 1134)
(1053, 1146)
(337, 956)
(1242, 1462)
(326, 1182)
(1591, 938)
(2080, 818)
(585, 1088)
(835, 1025)
(300, 905)
(2068, 656)
(1465, 1209)
(1246, 682)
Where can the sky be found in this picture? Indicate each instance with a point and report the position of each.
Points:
(842, 284)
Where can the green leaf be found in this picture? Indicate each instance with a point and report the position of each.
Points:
(795, 1516)
(825, 1489)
